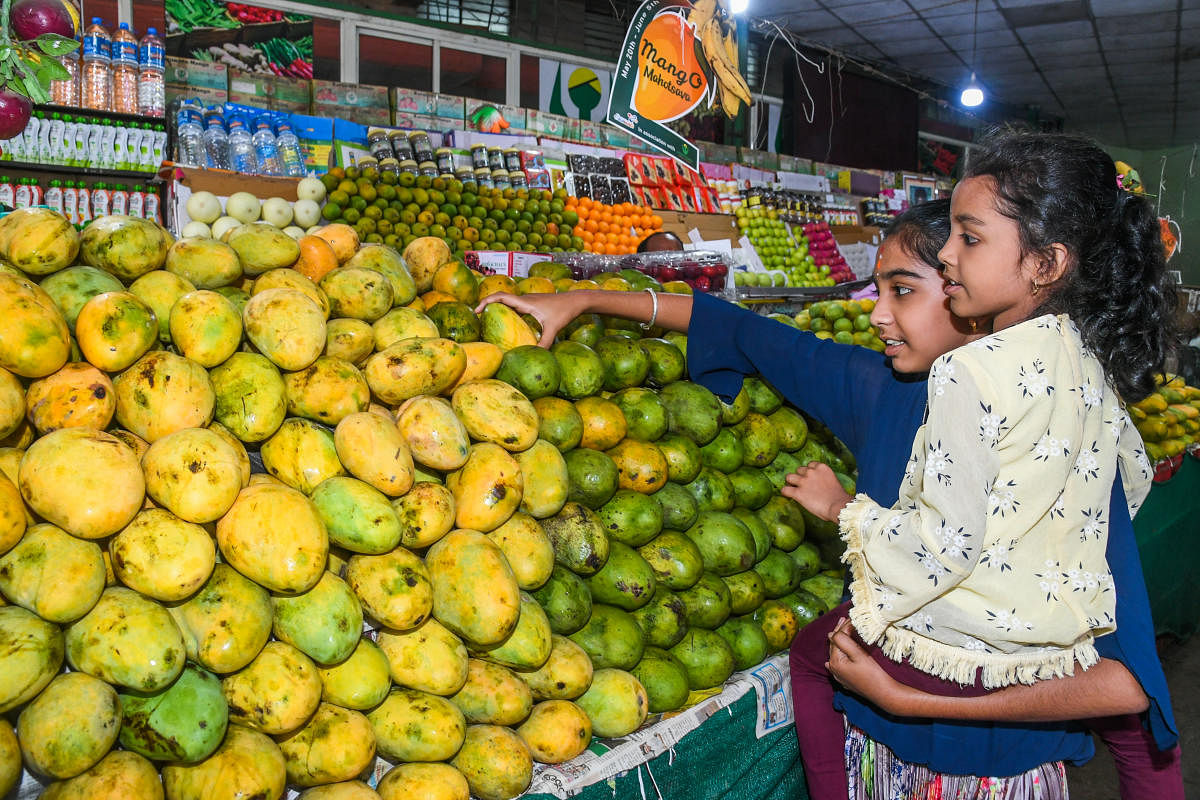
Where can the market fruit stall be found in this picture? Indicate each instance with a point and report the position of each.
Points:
(291, 528)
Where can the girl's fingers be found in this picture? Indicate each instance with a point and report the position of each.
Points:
(498, 297)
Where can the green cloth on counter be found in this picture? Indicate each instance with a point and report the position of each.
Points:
(1168, 537)
(720, 759)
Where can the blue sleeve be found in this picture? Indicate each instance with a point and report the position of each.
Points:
(835, 383)
(1133, 641)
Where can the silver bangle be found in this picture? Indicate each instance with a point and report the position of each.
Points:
(654, 313)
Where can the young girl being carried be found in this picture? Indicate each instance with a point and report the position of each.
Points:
(990, 568)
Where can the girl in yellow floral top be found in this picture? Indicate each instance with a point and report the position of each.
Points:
(991, 565)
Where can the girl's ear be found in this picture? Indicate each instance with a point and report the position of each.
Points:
(1054, 265)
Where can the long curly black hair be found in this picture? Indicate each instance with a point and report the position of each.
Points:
(1062, 189)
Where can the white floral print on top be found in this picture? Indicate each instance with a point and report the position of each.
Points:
(1010, 476)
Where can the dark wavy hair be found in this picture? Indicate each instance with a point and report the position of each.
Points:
(922, 231)
(1062, 189)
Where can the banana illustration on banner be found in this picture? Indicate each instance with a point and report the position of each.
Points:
(718, 37)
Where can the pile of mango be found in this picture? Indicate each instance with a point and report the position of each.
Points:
(1169, 419)
(462, 553)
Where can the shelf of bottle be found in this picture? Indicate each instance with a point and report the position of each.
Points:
(115, 116)
(87, 172)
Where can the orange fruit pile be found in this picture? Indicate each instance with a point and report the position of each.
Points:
(612, 230)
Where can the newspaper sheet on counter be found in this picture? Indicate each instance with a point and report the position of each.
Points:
(608, 758)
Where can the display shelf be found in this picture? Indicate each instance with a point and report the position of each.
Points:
(184, 44)
(116, 116)
(766, 293)
(86, 172)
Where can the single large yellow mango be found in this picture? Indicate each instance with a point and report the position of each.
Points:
(336, 744)
(495, 761)
(276, 693)
(435, 435)
(412, 725)
(247, 760)
(474, 591)
(416, 366)
(493, 694)
(274, 536)
(86, 482)
(487, 489)
(546, 481)
(429, 658)
(493, 411)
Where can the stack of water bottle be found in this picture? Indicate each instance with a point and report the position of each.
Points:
(239, 138)
(77, 141)
(115, 73)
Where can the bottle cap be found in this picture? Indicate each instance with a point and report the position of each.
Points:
(124, 26)
(152, 31)
(97, 21)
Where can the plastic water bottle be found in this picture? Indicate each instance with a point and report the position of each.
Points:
(66, 93)
(216, 141)
(241, 148)
(266, 150)
(188, 133)
(125, 70)
(152, 64)
(289, 150)
(97, 67)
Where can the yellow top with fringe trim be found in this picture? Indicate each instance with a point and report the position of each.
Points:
(993, 557)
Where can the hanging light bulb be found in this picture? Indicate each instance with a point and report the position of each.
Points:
(972, 95)
(738, 6)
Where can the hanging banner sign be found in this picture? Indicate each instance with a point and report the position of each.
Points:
(676, 57)
(661, 75)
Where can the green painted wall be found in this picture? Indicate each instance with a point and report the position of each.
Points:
(1179, 200)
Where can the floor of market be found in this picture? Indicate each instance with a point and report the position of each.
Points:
(1097, 780)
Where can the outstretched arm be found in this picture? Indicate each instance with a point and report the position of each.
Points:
(1106, 689)
(555, 311)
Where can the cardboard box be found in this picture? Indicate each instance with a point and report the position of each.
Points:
(450, 105)
(546, 124)
(711, 227)
(442, 123)
(410, 101)
(719, 153)
(589, 133)
(415, 122)
(250, 88)
(615, 137)
(205, 80)
(366, 105)
(269, 91)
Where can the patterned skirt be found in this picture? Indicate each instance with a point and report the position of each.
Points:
(876, 773)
